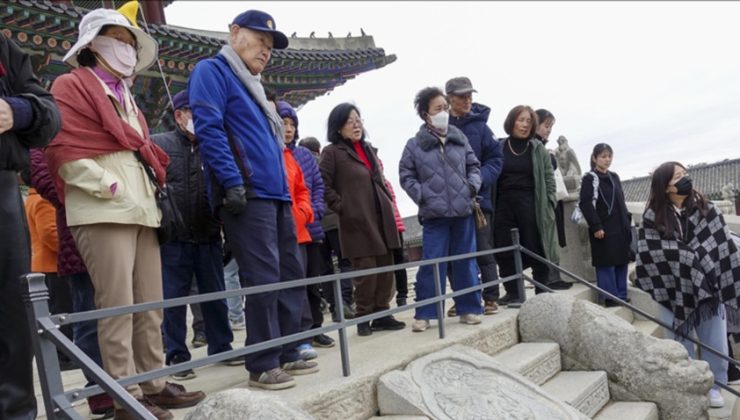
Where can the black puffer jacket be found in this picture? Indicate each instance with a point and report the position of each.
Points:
(17, 79)
(187, 182)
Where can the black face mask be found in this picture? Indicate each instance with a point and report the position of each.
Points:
(684, 186)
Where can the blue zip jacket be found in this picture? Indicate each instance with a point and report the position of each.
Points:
(221, 106)
(314, 183)
(486, 148)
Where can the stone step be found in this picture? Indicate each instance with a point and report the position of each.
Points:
(587, 391)
(726, 412)
(649, 328)
(538, 362)
(622, 312)
(619, 410)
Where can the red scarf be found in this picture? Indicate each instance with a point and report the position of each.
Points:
(91, 127)
(361, 152)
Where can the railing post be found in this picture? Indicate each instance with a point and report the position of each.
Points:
(440, 303)
(36, 299)
(343, 344)
(519, 270)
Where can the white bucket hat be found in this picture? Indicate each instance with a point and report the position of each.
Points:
(93, 22)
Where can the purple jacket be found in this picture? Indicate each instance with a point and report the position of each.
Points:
(314, 183)
(69, 260)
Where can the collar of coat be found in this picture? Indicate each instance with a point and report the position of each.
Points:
(427, 141)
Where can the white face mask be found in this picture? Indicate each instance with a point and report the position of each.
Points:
(120, 56)
(440, 121)
(189, 127)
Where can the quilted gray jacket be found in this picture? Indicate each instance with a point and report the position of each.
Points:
(438, 189)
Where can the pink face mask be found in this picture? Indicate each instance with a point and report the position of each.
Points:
(120, 56)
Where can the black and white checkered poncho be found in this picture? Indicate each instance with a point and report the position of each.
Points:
(687, 276)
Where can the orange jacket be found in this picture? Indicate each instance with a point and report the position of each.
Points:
(42, 224)
(302, 212)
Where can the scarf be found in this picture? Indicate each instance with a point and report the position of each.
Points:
(91, 127)
(691, 277)
(256, 91)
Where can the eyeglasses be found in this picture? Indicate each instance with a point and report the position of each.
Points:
(353, 121)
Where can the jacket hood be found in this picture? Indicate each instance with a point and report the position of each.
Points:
(478, 112)
(427, 140)
(286, 111)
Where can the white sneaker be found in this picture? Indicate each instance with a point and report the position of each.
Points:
(715, 398)
(238, 326)
(470, 319)
(420, 325)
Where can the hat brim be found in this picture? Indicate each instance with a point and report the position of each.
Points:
(279, 40)
(146, 47)
(462, 91)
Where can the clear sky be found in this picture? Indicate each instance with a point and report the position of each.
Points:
(657, 81)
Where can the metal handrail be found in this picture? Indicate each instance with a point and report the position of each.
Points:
(639, 311)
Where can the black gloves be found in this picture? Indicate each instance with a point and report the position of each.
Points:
(235, 200)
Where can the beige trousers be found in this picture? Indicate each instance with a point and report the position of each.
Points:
(125, 268)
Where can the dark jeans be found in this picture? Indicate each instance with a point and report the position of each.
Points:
(331, 243)
(487, 263)
(402, 280)
(264, 244)
(17, 399)
(198, 325)
(515, 209)
(180, 262)
(86, 332)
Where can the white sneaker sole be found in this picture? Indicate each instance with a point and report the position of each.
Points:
(272, 387)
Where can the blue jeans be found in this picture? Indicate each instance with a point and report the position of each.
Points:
(264, 244)
(713, 333)
(86, 332)
(444, 237)
(180, 261)
(235, 304)
(613, 279)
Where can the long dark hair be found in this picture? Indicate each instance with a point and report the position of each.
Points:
(337, 118)
(599, 149)
(658, 202)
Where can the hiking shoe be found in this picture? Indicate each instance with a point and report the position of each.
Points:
(560, 285)
(234, 361)
(183, 374)
(387, 323)
(490, 307)
(420, 325)
(101, 406)
(715, 398)
(307, 351)
(158, 412)
(300, 367)
(175, 396)
(507, 299)
(452, 311)
(272, 379)
(238, 325)
(199, 340)
(323, 340)
(363, 329)
(470, 319)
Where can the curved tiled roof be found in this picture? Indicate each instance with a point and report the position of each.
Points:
(708, 178)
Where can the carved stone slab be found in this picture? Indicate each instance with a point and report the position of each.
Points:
(462, 383)
(639, 367)
(243, 404)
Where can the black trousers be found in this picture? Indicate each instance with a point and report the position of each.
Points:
(402, 280)
(331, 243)
(516, 209)
(487, 263)
(60, 302)
(17, 399)
(312, 316)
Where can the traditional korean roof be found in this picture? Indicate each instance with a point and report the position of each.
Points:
(709, 178)
(310, 67)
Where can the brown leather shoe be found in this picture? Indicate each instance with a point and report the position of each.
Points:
(158, 412)
(175, 396)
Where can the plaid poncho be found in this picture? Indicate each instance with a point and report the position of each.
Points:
(690, 278)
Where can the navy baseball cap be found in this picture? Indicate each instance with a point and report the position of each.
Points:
(181, 100)
(260, 21)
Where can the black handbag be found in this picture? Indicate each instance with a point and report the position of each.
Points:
(171, 218)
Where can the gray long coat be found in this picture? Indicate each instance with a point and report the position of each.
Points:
(438, 189)
(367, 225)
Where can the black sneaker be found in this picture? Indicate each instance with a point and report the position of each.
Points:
(400, 301)
(323, 340)
(507, 299)
(560, 285)
(388, 323)
(183, 374)
(363, 329)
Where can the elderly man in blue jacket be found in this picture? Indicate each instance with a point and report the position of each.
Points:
(241, 141)
(471, 118)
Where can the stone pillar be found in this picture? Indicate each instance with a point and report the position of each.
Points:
(576, 256)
